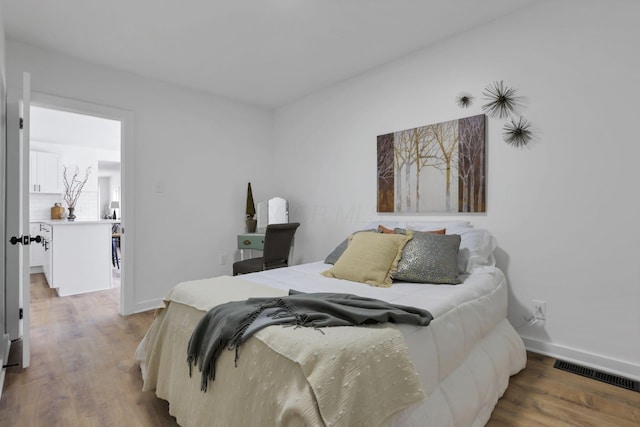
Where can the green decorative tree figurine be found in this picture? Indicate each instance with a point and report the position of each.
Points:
(251, 211)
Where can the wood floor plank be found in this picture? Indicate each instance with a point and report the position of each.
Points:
(510, 413)
(592, 395)
(82, 367)
(543, 394)
(565, 411)
(591, 392)
(83, 373)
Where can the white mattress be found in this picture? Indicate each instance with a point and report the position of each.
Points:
(464, 357)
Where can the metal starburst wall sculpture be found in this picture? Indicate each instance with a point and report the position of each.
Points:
(464, 100)
(502, 100)
(502, 103)
(517, 134)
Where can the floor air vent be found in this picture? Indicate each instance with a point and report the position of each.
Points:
(598, 375)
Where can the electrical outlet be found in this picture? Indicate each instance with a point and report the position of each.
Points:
(539, 309)
(222, 259)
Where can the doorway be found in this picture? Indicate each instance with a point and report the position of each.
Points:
(89, 137)
(65, 144)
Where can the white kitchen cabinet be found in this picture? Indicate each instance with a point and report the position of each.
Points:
(40, 253)
(44, 172)
(80, 257)
(36, 250)
(47, 265)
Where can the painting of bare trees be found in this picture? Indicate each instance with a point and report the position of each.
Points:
(436, 168)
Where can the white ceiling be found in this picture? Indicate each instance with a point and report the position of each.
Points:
(66, 128)
(265, 52)
(63, 127)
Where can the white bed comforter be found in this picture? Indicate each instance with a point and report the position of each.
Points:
(464, 357)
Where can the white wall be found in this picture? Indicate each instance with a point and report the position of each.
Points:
(564, 210)
(198, 149)
(104, 198)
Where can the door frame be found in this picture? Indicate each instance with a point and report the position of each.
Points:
(16, 207)
(5, 342)
(126, 118)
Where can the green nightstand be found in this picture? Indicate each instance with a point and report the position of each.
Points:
(250, 241)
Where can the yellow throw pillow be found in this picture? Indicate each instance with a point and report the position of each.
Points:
(370, 258)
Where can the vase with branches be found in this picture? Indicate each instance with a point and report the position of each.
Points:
(73, 188)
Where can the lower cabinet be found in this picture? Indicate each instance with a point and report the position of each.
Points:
(40, 253)
(36, 250)
(47, 266)
(78, 257)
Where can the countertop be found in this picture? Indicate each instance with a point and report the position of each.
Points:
(76, 222)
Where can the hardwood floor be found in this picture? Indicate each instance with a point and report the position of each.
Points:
(82, 370)
(83, 374)
(541, 395)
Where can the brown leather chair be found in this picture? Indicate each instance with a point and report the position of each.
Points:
(277, 246)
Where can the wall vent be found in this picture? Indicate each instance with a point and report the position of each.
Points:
(598, 375)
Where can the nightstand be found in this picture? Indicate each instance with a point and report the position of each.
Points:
(250, 241)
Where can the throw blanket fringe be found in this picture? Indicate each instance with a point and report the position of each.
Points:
(229, 325)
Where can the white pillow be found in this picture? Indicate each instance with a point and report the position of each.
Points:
(437, 225)
(476, 244)
(418, 225)
(476, 248)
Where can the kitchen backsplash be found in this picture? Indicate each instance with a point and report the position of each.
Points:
(40, 205)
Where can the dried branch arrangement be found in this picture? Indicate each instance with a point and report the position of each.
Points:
(73, 187)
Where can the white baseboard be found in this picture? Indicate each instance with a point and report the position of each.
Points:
(139, 307)
(579, 357)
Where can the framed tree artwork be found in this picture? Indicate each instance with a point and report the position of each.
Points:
(438, 168)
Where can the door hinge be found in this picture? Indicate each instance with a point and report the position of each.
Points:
(21, 123)
(21, 314)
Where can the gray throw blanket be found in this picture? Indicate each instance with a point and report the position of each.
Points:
(229, 325)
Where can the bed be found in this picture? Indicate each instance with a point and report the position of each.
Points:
(450, 373)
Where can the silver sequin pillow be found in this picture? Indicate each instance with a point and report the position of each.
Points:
(429, 258)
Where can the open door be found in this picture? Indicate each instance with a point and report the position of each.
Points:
(17, 218)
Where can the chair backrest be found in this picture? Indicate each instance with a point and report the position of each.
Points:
(277, 244)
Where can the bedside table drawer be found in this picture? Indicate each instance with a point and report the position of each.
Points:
(251, 241)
